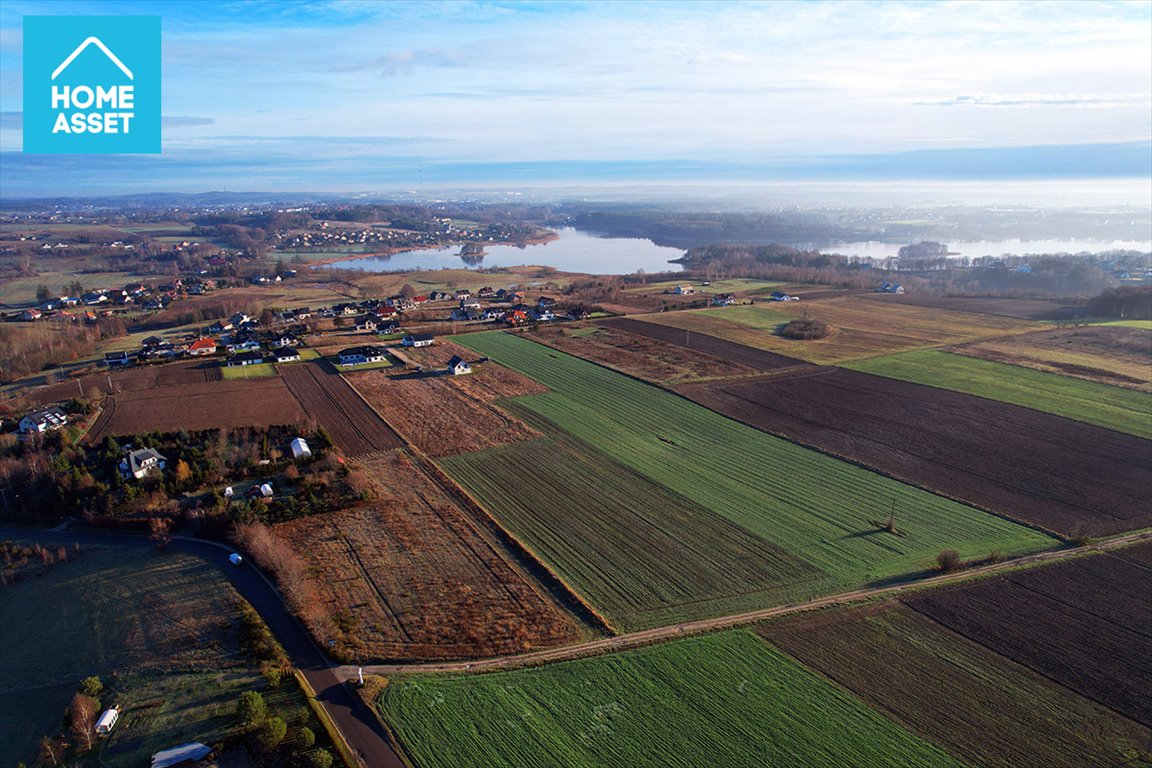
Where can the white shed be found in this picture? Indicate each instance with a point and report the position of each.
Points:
(107, 720)
(300, 449)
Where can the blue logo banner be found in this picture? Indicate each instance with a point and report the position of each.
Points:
(91, 84)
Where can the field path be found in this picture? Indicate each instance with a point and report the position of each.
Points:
(658, 634)
(324, 394)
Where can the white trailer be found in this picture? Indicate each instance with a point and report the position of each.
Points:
(107, 721)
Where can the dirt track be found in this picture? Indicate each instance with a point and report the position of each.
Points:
(1061, 475)
(327, 397)
(659, 634)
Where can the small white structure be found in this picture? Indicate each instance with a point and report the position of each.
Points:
(418, 340)
(228, 492)
(300, 449)
(266, 490)
(458, 366)
(107, 720)
(235, 558)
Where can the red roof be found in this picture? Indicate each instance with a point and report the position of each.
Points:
(203, 344)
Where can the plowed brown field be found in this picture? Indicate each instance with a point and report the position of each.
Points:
(414, 579)
(241, 403)
(740, 354)
(1085, 624)
(1065, 476)
(439, 414)
(328, 398)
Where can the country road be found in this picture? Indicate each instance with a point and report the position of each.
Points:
(650, 636)
(358, 724)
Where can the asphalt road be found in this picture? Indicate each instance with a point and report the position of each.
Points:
(356, 722)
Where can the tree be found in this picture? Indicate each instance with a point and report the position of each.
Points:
(251, 709)
(82, 719)
(272, 732)
(949, 560)
(182, 474)
(51, 751)
(307, 738)
(321, 758)
(42, 293)
(91, 686)
(160, 531)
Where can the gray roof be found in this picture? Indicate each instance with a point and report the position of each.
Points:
(183, 753)
(137, 458)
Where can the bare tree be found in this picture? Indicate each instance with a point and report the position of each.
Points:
(82, 718)
(160, 532)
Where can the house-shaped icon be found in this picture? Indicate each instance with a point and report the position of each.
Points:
(82, 47)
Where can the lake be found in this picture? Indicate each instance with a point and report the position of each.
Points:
(976, 248)
(573, 251)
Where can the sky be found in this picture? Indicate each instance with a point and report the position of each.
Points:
(356, 95)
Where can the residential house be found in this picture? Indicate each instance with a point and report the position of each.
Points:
(140, 463)
(458, 366)
(117, 359)
(202, 347)
(542, 315)
(486, 293)
(219, 327)
(890, 288)
(247, 357)
(366, 324)
(465, 314)
(463, 293)
(683, 290)
(31, 315)
(362, 355)
(152, 341)
(44, 420)
(723, 300)
(286, 354)
(419, 340)
(546, 302)
(516, 317)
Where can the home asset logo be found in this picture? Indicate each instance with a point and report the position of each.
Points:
(91, 84)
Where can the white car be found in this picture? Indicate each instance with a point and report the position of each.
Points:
(235, 559)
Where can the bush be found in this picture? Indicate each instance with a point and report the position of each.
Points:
(321, 758)
(272, 732)
(306, 738)
(251, 709)
(91, 686)
(805, 329)
(949, 560)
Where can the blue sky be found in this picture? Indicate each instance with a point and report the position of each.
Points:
(355, 95)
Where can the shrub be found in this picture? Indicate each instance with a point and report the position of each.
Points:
(949, 560)
(321, 758)
(91, 686)
(251, 709)
(306, 737)
(805, 329)
(272, 732)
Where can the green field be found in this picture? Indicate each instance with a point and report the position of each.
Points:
(162, 631)
(979, 706)
(1123, 410)
(814, 507)
(724, 700)
(258, 371)
(1145, 324)
(643, 555)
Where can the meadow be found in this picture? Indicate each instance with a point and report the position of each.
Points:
(163, 631)
(651, 707)
(1123, 410)
(861, 327)
(816, 508)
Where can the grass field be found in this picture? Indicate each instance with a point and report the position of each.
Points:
(861, 327)
(1145, 324)
(161, 630)
(651, 707)
(733, 285)
(977, 705)
(809, 505)
(1124, 410)
(258, 371)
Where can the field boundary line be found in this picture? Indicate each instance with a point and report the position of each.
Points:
(519, 549)
(347, 756)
